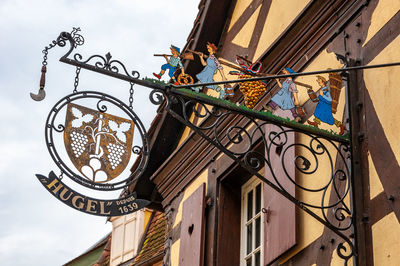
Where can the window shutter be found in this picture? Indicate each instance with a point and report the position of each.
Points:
(117, 241)
(127, 231)
(280, 219)
(192, 229)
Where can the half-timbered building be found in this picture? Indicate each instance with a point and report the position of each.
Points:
(334, 201)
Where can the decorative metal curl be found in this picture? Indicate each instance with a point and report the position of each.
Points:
(107, 64)
(254, 160)
(101, 107)
(78, 39)
(217, 130)
(192, 105)
(137, 150)
(341, 249)
(157, 97)
(60, 128)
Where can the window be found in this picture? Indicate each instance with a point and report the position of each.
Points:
(252, 220)
(126, 234)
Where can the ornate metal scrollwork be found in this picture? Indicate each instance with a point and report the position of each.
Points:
(157, 97)
(318, 153)
(238, 141)
(107, 64)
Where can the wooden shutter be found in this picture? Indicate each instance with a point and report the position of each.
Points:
(280, 221)
(127, 231)
(192, 229)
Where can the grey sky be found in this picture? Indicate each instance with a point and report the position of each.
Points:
(35, 228)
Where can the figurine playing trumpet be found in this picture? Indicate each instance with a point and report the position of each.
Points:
(173, 63)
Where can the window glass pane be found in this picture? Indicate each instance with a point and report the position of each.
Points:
(250, 205)
(258, 232)
(249, 238)
(248, 262)
(257, 259)
(258, 198)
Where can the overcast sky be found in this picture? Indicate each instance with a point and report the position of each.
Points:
(35, 228)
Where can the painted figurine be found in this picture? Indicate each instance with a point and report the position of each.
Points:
(323, 111)
(287, 97)
(211, 65)
(172, 64)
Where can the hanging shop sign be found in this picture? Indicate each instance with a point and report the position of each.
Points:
(90, 137)
(80, 202)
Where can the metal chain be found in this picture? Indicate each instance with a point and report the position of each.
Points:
(45, 52)
(78, 70)
(131, 96)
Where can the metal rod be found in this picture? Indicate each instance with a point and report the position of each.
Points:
(293, 75)
(113, 74)
(277, 121)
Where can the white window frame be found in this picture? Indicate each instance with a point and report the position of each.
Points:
(124, 244)
(246, 188)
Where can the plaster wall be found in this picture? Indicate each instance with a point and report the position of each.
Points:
(280, 15)
(240, 7)
(382, 85)
(383, 12)
(186, 132)
(386, 235)
(244, 36)
(374, 181)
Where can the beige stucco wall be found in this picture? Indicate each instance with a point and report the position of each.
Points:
(383, 87)
(202, 178)
(280, 15)
(338, 261)
(385, 236)
(383, 12)
(186, 131)
(244, 36)
(375, 185)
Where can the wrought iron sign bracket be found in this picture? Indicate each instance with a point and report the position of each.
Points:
(336, 215)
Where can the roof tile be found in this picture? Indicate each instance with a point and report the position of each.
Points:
(153, 244)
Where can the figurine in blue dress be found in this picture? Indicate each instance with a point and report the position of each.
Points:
(286, 98)
(323, 111)
(211, 67)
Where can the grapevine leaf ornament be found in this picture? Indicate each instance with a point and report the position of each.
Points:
(80, 118)
(119, 129)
